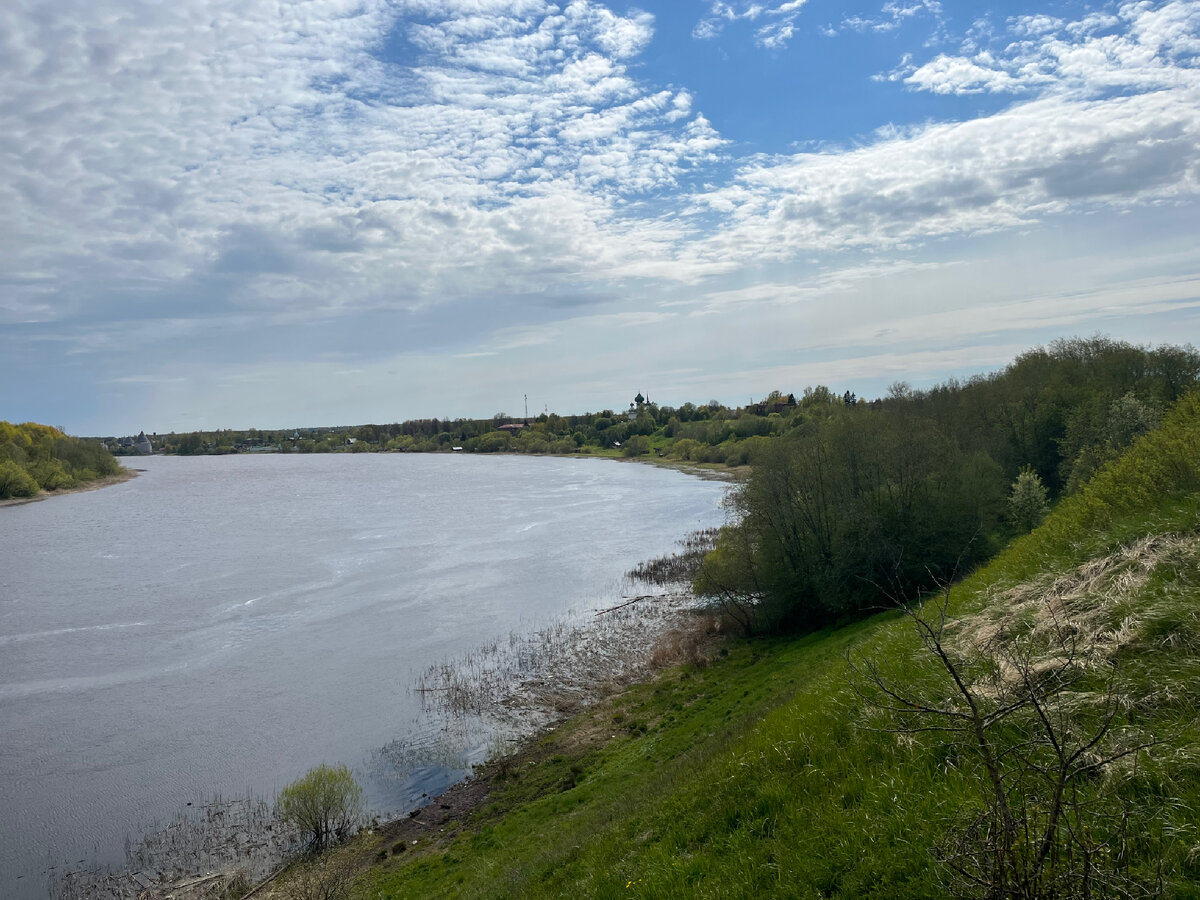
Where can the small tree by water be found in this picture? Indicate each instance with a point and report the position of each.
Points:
(324, 805)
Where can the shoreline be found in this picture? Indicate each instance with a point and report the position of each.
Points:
(583, 659)
(108, 480)
(586, 722)
(564, 702)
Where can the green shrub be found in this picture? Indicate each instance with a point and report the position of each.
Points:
(324, 805)
(15, 481)
(51, 475)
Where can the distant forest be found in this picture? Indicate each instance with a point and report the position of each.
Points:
(1061, 410)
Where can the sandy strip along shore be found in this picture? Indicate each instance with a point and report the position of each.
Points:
(123, 475)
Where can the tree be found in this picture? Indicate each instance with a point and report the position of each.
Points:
(1032, 714)
(638, 445)
(15, 481)
(839, 507)
(1027, 504)
(323, 805)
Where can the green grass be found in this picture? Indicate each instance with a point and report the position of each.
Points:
(758, 776)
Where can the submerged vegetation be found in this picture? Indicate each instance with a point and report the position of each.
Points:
(35, 458)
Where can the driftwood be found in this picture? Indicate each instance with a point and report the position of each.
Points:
(630, 602)
(262, 884)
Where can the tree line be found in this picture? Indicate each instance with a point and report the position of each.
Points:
(896, 497)
(35, 458)
(711, 433)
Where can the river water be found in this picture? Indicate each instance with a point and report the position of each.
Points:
(219, 625)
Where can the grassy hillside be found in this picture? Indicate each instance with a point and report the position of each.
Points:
(834, 765)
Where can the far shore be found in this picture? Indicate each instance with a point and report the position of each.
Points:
(123, 475)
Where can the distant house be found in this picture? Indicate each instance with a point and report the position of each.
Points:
(775, 403)
(517, 426)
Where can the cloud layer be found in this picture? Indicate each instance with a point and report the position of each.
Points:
(208, 180)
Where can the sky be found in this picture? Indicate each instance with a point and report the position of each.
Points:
(234, 213)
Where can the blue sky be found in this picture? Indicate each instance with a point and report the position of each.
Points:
(233, 214)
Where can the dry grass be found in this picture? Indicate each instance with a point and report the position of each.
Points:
(678, 568)
(526, 683)
(210, 853)
(690, 643)
(1096, 608)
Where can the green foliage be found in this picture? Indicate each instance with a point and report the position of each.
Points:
(1162, 464)
(324, 805)
(1027, 503)
(1052, 402)
(1064, 410)
(1093, 440)
(37, 457)
(864, 502)
(15, 481)
(892, 497)
(638, 445)
(767, 774)
(685, 449)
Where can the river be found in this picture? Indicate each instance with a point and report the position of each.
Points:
(218, 625)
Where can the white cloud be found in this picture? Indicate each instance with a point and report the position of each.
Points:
(279, 150)
(1070, 148)
(777, 29)
(487, 178)
(890, 17)
(1151, 48)
(956, 75)
(1026, 26)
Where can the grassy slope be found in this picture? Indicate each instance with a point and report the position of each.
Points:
(753, 777)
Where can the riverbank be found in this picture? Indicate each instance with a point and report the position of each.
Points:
(415, 568)
(533, 691)
(602, 716)
(857, 762)
(598, 783)
(107, 481)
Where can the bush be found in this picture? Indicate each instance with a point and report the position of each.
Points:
(1027, 505)
(638, 445)
(838, 511)
(324, 878)
(51, 475)
(324, 805)
(15, 481)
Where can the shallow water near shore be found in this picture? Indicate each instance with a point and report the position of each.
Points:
(220, 624)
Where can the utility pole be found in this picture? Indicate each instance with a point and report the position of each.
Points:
(526, 409)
